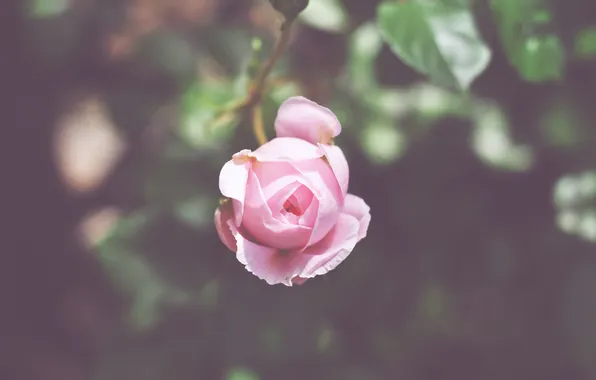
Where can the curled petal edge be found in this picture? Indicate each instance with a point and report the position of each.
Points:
(295, 267)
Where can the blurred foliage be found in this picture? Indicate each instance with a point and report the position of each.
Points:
(438, 38)
(470, 129)
(575, 197)
(527, 34)
(585, 45)
(327, 15)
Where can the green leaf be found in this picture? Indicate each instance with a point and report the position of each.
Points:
(563, 123)
(48, 8)
(242, 374)
(531, 46)
(436, 39)
(585, 43)
(203, 125)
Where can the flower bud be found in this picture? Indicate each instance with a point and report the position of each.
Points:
(289, 8)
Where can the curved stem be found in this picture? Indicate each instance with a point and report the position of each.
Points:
(259, 84)
(282, 42)
(257, 124)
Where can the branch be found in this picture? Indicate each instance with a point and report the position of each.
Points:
(258, 86)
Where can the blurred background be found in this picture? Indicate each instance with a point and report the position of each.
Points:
(480, 261)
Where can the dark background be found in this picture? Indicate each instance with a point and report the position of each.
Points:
(465, 273)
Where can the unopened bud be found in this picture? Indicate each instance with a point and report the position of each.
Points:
(289, 8)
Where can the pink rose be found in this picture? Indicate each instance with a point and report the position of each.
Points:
(288, 215)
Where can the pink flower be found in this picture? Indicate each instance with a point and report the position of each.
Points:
(288, 215)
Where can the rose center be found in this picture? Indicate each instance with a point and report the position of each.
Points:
(293, 206)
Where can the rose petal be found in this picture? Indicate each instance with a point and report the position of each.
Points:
(232, 184)
(278, 181)
(247, 250)
(276, 202)
(356, 207)
(299, 280)
(223, 215)
(339, 164)
(304, 119)
(276, 267)
(301, 199)
(321, 175)
(327, 192)
(287, 149)
(275, 176)
(310, 208)
(259, 221)
(309, 218)
(333, 249)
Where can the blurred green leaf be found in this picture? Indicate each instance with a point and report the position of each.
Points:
(209, 295)
(365, 45)
(585, 43)
(255, 59)
(524, 28)
(196, 211)
(168, 183)
(203, 124)
(328, 15)
(432, 102)
(281, 93)
(242, 374)
(229, 47)
(325, 339)
(389, 102)
(563, 123)
(575, 198)
(48, 8)
(434, 303)
(436, 39)
(382, 142)
(492, 140)
(120, 254)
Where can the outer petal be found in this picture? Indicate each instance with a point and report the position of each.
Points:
(298, 280)
(232, 184)
(295, 267)
(338, 164)
(356, 207)
(333, 249)
(287, 149)
(247, 250)
(304, 119)
(224, 215)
